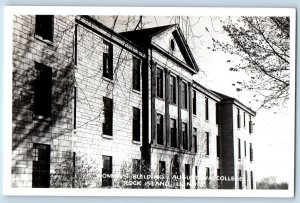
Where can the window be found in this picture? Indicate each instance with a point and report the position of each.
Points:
(173, 133)
(162, 173)
(108, 116)
(196, 177)
(184, 135)
(75, 103)
(136, 124)
(136, 73)
(162, 168)
(194, 103)
(207, 180)
(40, 166)
(246, 178)
(108, 60)
(219, 178)
(44, 26)
(187, 176)
(251, 180)
(173, 89)
(43, 91)
(159, 83)
(218, 146)
(251, 152)
(136, 166)
(239, 148)
(217, 113)
(206, 109)
(159, 129)
(240, 180)
(207, 143)
(184, 95)
(238, 118)
(250, 125)
(244, 119)
(106, 171)
(245, 148)
(195, 139)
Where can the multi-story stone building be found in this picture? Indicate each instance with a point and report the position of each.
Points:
(125, 100)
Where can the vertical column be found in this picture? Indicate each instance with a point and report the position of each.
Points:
(190, 107)
(179, 81)
(153, 111)
(167, 140)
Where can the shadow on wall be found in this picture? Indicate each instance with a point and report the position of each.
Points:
(28, 128)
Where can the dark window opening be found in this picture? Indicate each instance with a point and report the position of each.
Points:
(245, 148)
(250, 125)
(244, 119)
(173, 89)
(159, 129)
(187, 176)
(108, 60)
(136, 73)
(239, 148)
(159, 83)
(217, 113)
(75, 103)
(246, 178)
(194, 102)
(207, 180)
(195, 139)
(238, 118)
(218, 146)
(219, 178)
(184, 95)
(44, 26)
(185, 136)
(136, 124)
(196, 177)
(107, 171)
(251, 152)
(136, 166)
(206, 109)
(240, 180)
(43, 90)
(251, 180)
(207, 143)
(107, 126)
(41, 166)
(173, 133)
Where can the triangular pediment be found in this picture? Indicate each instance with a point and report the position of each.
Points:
(169, 40)
(174, 44)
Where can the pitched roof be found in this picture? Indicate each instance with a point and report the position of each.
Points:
(138, 36)
(228, 99)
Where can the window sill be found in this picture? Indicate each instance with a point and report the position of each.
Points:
(107, 79)
(48, 42)
(109, 137)
(40, 117)
(136, 91)
(159, 98)
(136, 142)
(174, 104)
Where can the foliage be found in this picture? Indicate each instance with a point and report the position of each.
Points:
(83, 175)
(271, 183)
(263, 44)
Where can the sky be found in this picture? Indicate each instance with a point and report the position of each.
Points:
(273, 130)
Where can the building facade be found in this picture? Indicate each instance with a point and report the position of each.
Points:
(126, 101)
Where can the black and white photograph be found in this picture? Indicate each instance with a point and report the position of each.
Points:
(149, 101)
